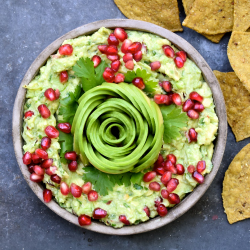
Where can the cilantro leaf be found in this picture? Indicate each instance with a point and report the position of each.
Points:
(174, 119)
(66, 143)
(90, 76)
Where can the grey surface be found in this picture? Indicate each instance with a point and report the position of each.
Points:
(26, 28)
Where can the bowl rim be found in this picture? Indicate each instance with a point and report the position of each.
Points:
(209, 77)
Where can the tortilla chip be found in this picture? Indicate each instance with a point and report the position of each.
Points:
(210, 17)
(238, 52)
(241, 15)
(164, 13)
(187, 7)
(236, 187)
(237, 100)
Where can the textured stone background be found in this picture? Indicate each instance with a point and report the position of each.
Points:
(26, 28)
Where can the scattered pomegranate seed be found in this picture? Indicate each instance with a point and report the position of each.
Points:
(191, 169)
(45, 143)
(120, 34)
(172, 158)
(27, 158)
(44, 111)
(115, 65)
(55, 178)
(36, 178)
(172, 185)
(193, 114)
(103, 48)
(127, 57)
(84, 220)
(64, 127)
(125, 45)
(188, 104)
(66, 50)
(51, 170)
(170, 99)
(168, 50)
(177, 99)
(155, 65)
(155, 186)
(28, 113)
(92, 195)
(169, 166)
(198, 177)
(180, 169)
(36, 159)
(51, 132)
(166, 177)
(38, 170)
(72, 166)
(57, 93)
(47, 195)
(134, 47)
(160, 99)
(167, 86)
(182, 55)
(158, 201)
(195, 97)
(201, 166)
(96, 60)
(113, 57)
(108, 75)
(112, 40)
(138, 82)
(123, 219)
(174, 199)
(64, 188)
(119, 78)
(112, 50)
(149, 176)
(178, 62)
(31, 168)
(198, 107)
(75, 190)
(99, 213)
(47, 163)
(63, 76)
(192, 135)
(162, 210)
(146, 210)
(137, 56)
(129, 64)
(164, 193)
(72, 156)
(159, 159)
(50, 94)
(86, 187)
(41, 153)
(159, 170)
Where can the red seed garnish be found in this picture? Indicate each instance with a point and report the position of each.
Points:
(115, 65)
(47, 195)
(172, 185)
(164, 193)
(86, 187)
(149, 176)
(27, 158)
(72, 156)
(198, 107)
(138, 82)
(55, 178)
(112, 50)
(179, 62)
(51, 170)
(166, 85)
(130, 64)
(195, 97)
(31, 168)
(38, 170)
(120, 34)
(187, 105)
(63, 76)
(84, 220)
(155, 65)
(177, 99)
(66, 50)
(57, 93)
(192, 135)
(198, 177)
(180, 169)
(146, 210)
(174, 199)
(92, 195)
(28, 113)
(75, 190)
(113, 57)
(159, 170)
(35, 158)
(160, 159)
(169, 166)
(47, 163)
(108, 75)
(50, 94)
(103, 48)
(64, 188)
(193, 114)
(138, 56)
(172, 158)
(127, 57)
(125, 45)
(191, 169)
(134, 47)
(72, 166)
(123, 219)
(51, 132)
(182, 55)
(166, 177)
(99, 213)
(162, 210)
(96, 60)
(44, 111)
(158, 201)
(64, 127)
(155, 186)
(160, 99)
(119, 78)
(41, 153)
(201, 166)
(168, 50)
(36, 178)
(112, 40)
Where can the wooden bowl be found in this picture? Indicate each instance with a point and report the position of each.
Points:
(208, 75)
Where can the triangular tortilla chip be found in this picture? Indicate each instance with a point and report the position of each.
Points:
(164, 13)
(238, 52)
(241, 15)
(236, 187)
(210, 17)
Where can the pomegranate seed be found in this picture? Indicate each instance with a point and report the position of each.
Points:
(31, 168)
(28, 113)
(45, 143)
(138, 82)
(120, 34)
(201, 166)
(84, 220)
(108, 75)
(129, 64)
(159, 170)
(72, 156)
(115, 65)
(92, 195)
(193, 114)
(178, 62)
(112, 50)
(180, 169)
(174, 199)
(158, 201)
(47, 163)
(192, 135)
(36, 159)
(41, 153)
(112, 40)
(113, 57)
(191, 169)
(198, 177)
(27, 158)
(63, 76)
(162, 210)
(169, 100)
(149, 176)
(169, 166)
(177, 99)
(64, 127)
(172, 185)
(182, 55)
(86, 187)
(64, 188)
(51, 170)
(57, 93)
(159, 99)
(47, 195)
(166, 177)
(99, 213)
(125, 45)
(195, 97)
(127, 57)
(72, 166)
(147, 211)
(171, 158)
(66, 50)
(36, 178)
(103, 48)
(75, 190)
(134, 47)
(38, 170)
(137, 56)
(51, 132)
(155, 65)
(167, 86)
(198, 107)
(164, 193)
(119, 78)
(44, 111)
(168, 50)
(188, 104)
(160, 159)
(123, 219)
(96, 60)
(155, 186)
(55, 178)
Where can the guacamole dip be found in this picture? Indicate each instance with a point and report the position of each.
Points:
(119, 126)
